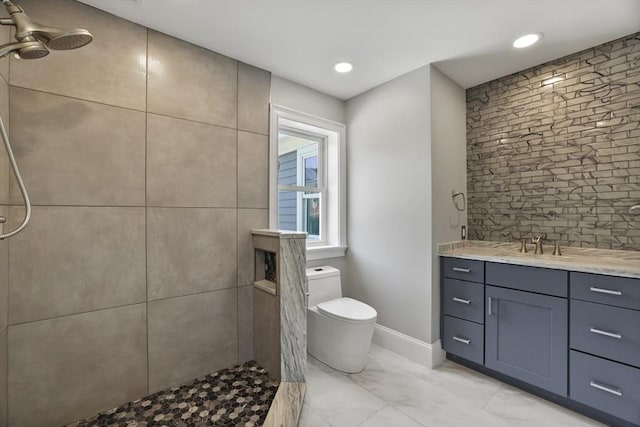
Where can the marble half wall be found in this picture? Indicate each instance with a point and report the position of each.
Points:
(281, 303)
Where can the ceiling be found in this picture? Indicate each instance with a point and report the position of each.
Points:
(300, 40)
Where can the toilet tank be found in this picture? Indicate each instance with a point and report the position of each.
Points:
(324, 284)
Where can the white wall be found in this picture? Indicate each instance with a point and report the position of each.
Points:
(449, 171)
(406, 151)
(306, 100)
(301, 98)
(389, 200)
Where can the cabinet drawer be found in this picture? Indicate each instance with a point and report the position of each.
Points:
(464, 339)
(464, 269)
(464, 300)
(608, 386)
(532, 279)
(617, 291)
(606, 331)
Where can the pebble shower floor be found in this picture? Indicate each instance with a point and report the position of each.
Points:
(235, 397)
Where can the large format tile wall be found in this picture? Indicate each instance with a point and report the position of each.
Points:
(146, 161)
(4, 245)
(561, 159)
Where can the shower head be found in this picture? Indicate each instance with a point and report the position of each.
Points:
(24, 50)
(66, 39)
(48, 37)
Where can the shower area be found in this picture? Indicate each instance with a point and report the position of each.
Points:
(129, 270)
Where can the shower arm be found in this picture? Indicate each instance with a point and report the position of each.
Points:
(11, 8)
(23, 189)
(7, 21)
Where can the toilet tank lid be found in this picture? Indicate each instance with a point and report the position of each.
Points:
(323, 271)
(348, 309)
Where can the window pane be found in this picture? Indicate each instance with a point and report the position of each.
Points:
(297, 160)
(312, 215)
(300, 211)
(311, 171)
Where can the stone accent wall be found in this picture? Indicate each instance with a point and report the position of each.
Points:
(560, 159)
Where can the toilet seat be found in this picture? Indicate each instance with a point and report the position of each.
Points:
(348, 310)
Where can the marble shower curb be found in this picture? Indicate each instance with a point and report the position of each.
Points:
(287, 405)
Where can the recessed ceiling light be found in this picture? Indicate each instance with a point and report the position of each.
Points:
(527, 40)
(343, 67)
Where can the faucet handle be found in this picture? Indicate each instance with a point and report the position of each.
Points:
(523, 246)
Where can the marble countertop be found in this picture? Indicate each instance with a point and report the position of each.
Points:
(586, 260)
(283, 234)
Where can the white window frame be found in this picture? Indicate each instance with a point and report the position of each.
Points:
(331, 171)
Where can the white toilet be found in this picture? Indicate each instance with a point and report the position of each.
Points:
(339, 330)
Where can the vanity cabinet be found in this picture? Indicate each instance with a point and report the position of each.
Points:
(526, 337)
(571, 337)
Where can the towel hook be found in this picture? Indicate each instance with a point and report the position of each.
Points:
(454, 195)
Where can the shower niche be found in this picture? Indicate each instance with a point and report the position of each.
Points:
(266, 271)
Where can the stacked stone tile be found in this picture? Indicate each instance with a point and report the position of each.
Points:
(560, 159)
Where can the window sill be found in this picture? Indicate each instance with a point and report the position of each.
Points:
(322, 252)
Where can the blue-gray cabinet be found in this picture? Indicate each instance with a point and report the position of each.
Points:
(571, 337)
(605, 344)
(526, 337)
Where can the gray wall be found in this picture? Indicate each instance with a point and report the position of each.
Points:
(134, 273)
(449, 172)
(389, 199)
(560, 159)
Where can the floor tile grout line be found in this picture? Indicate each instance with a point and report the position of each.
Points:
(405, 414)
(386, 404)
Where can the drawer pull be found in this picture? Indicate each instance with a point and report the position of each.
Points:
(605, 291)
(611, 390)
(462, 301)
(462, 270)
(462, 340)
(616, 335)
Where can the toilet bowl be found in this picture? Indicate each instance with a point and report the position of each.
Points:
(339, 329)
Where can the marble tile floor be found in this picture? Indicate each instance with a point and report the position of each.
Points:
(395, 392)
(234, 397)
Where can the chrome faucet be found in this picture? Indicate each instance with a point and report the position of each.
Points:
(523, 246)
(538, 241)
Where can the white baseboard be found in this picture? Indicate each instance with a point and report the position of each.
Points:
(429, 355)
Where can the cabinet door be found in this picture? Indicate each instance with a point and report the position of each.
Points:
(526, 337)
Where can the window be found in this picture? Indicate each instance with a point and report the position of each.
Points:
(307, 180)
